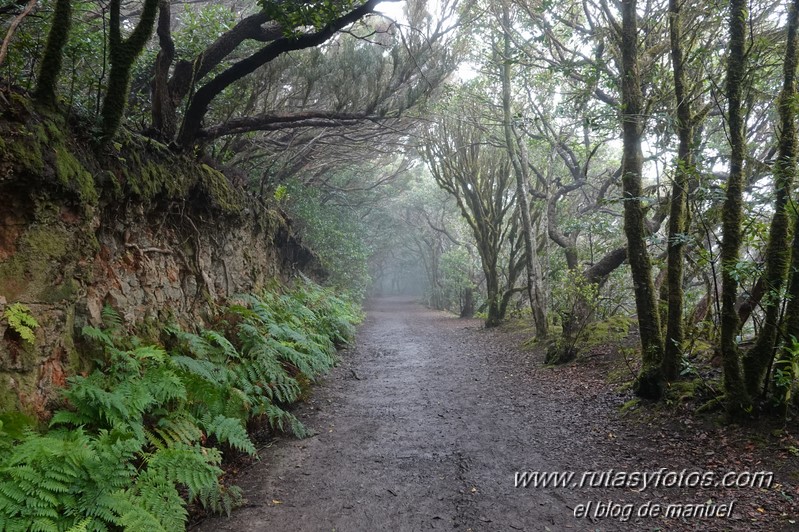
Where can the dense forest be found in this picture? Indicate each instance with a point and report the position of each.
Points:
(582, 166)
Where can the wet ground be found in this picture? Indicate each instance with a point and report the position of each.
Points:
(424, 425)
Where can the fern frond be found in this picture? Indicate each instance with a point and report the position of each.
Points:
(80, 526)
(221, 499)
(284, 421)
(195, 468)
(149, 352)
(230, 431)
(156, 497)
(98, 335)
(111, 318)
(163, 385)
(209, 371)
(20, 320)
(177, 428)
(196, 345)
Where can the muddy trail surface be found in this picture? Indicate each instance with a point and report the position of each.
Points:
(424, 426)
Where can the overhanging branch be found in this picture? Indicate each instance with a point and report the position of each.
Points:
(199, 104)
(275, 122)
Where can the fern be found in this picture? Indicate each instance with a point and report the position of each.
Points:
(194, 468)
(221, 499)
(138, 430)
(227, 349)
(153, 503)
(20, 321)
(82, 526)
(176, 428)
(230, 431)
(284, 421)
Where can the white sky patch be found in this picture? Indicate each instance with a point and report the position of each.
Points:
(393, 10)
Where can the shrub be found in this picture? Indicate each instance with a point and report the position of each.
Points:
(144, 433)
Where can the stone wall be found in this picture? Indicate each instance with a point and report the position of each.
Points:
(157, 237)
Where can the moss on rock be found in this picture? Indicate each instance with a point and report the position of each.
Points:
(30, 272)
(218, 188)
(74, 176)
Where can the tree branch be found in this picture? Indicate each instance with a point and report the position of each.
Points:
(274, 122)
(199, 105)
(12, 28)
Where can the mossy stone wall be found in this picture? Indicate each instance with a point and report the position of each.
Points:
(158, 236)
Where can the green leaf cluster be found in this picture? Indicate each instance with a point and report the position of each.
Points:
(145, 432)
(293, 15)
(20, 320)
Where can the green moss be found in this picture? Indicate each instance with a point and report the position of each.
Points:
(15, 424)
(12, 278)
(32, 269)
(618, 373)
(54, 132)
(27, 154)
(39, 133)
(630, 406)
(149, 329)
(46, 211)
(46, 242)
(75, 362)
(74, 176)
(681, 391)
(66, 291)
(21, 101)
(217, 186)
(611, 330)
(107, 180)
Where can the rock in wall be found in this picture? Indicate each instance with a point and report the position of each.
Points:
(156, 236)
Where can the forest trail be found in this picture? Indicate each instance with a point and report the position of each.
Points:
(428, 417)
(421, 427)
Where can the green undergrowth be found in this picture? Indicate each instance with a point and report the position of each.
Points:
(145, 433)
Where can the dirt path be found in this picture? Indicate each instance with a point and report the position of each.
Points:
(423, 426)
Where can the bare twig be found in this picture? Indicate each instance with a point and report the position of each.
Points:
(12, 28)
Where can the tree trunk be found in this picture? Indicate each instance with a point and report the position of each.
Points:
(649, 383)
(122, 53)
(535, 291)
(778, 253)
(164, 108)
(678, 226)
(467, 303)
(792, 306)
(737, 399)
(45, 93)
(493, 317)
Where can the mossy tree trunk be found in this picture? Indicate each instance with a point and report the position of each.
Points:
(467, 302)
(535, 291)
(737, 399)
(649, 383)
(122, 54)
(164, 106)
(778, 253)
(493, 313)
(791, 321)
(45, 93)
(678, 216)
